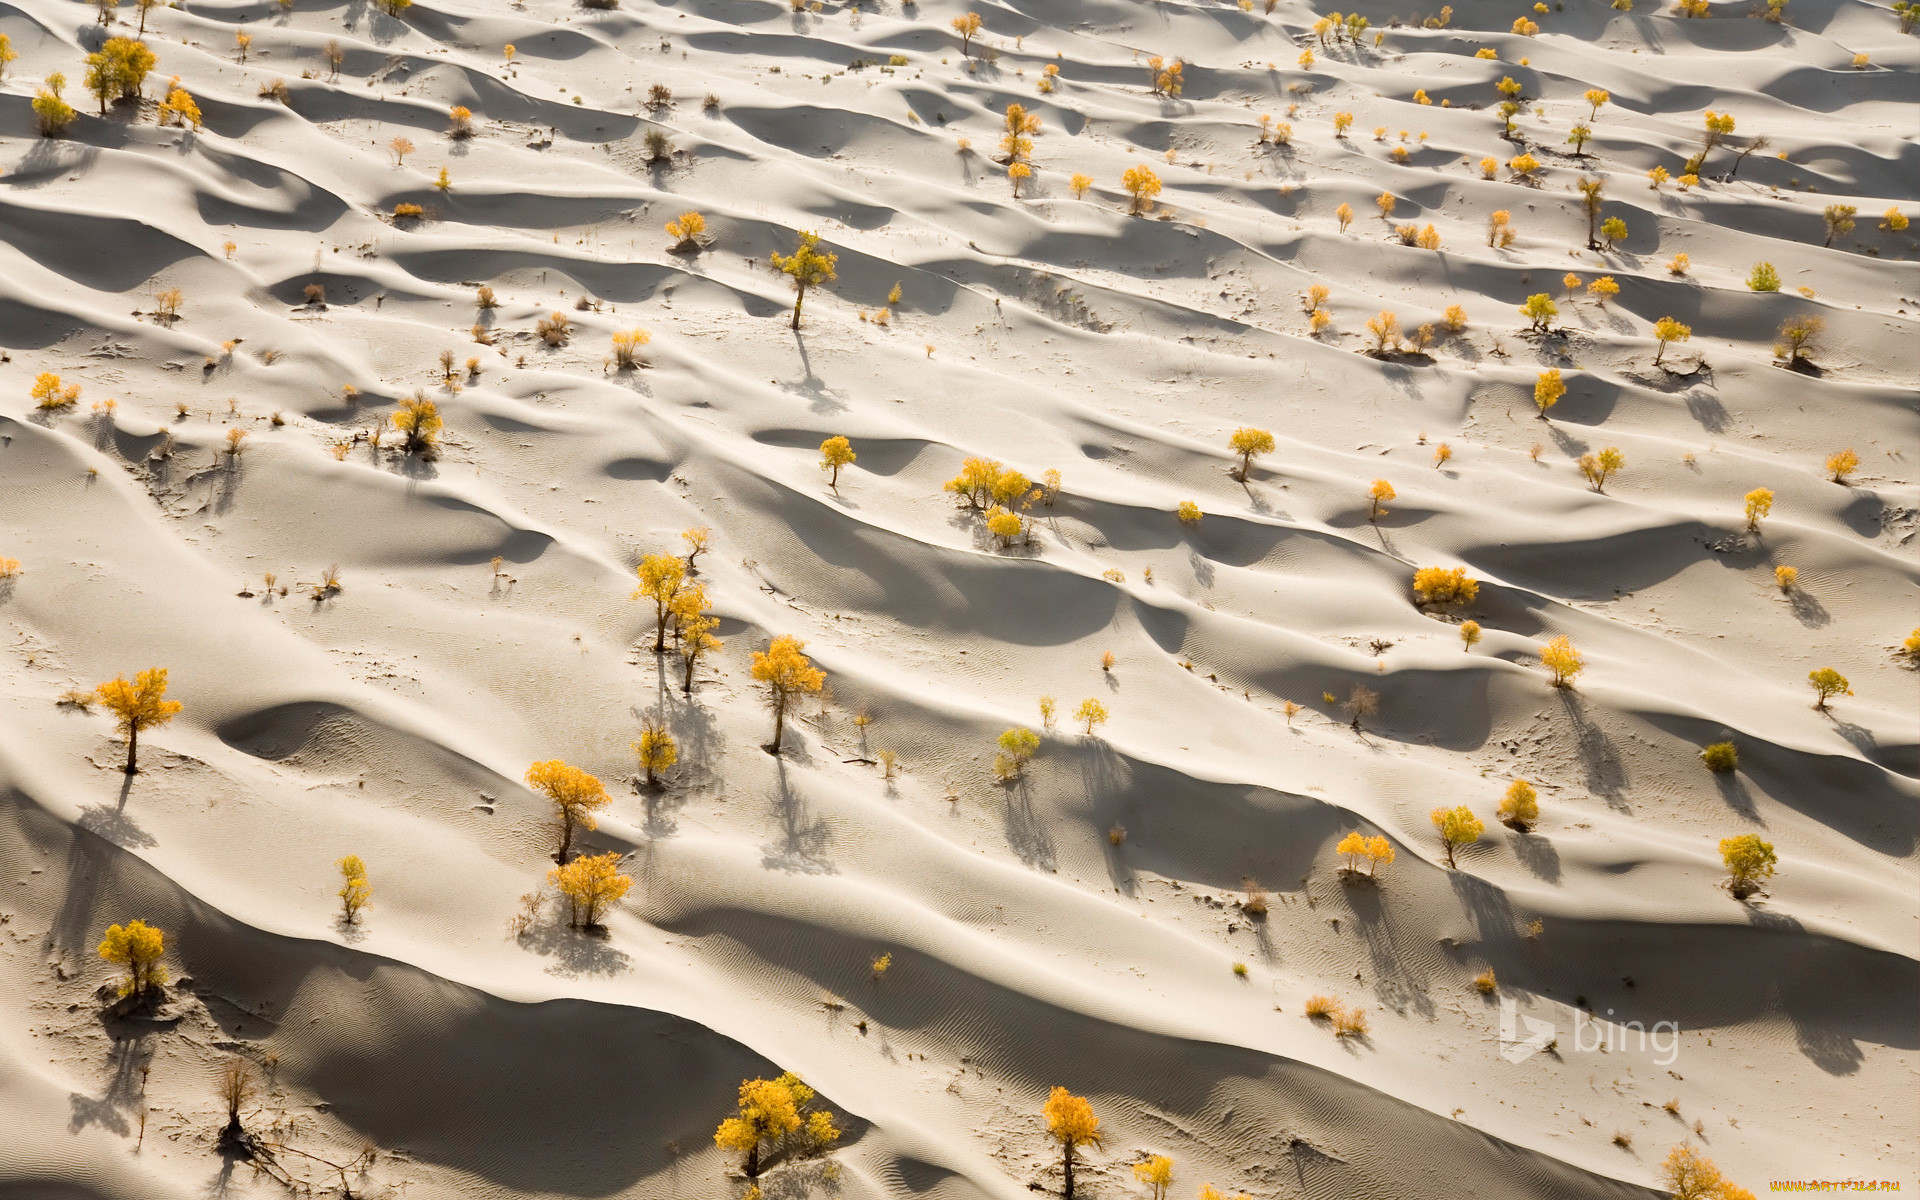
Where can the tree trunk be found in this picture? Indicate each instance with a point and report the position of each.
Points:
(779, 721)
(753, 1161)
(566, 837)
(660, 627)
(1069, 1169)
(799, 298)
(133, 743)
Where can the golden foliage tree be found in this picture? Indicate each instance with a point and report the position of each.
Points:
(50, 394)
(1796, 338)
(1457, 827)
(661, 578)
(693, 631)
(591, 883)
(1828, 683)
(1249, 443)
(137, 946)
(787, 674)
(968, 27)
(808, 266)
(1379, 852)
(1520, 807)
(419, 423)
(1445, 585)
(1598, 468)
(1353, 848)
(51, 111)
(1548, 389)
(1071, 1121)
(1666, 331)
(1470, 634)
(1842, 463)
(1156, 1171)
(1688, 1174)
(575, 795)
(1142, 184)
(1017, 746)
(626, 347)
(1540, 310)
(775, 1114)
(1562, 660)
(836, 452)
(355, 892)
(1750, 862)
(141, 704)
(656, 750)
(1092, 712)
(1758, 503)
(117, 70)
(688, 231)
(1379, 494)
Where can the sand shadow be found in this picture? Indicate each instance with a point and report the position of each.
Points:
(1394, 985)
(1807, 609)
(576, 953)
(1026, 833)
(1733, 790)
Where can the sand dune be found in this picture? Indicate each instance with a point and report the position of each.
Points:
(1084, 926)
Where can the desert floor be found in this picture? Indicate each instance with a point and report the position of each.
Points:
(1087, 925)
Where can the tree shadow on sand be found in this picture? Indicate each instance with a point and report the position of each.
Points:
(1827, 1048)
(1394, 985)
(1606, 774)
(576, 953)
(803, 838)
(1536, 854)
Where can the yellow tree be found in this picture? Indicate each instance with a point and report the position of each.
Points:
(141, 704)
(1667, 331)
(1379, 854)
(967, 26)
(1828, 683)
(808, 266)
(1248, 442)
(1071, 1121)
(1457, 827)
(419, 423)
(1353, 848)
(661, 578)
(575, 795)
(1842, 463)
(1750, 862)
(355, 892)
(1548, 389)
(1759, 502)
(688, 231)
(1520, 807)
(590, 883)
(787, 674)
(137, 946)
(117, 70)
(1092, 712)
(836, 452)
(1156, 1172)
(693, 630)
(1379, 494)
(1562, 660)
(1540, 310)
(1690, 1175)
(1018, 745)
(656, 751)
(773, 1111)
(1142, 184)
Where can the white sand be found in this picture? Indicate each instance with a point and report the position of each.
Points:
(395, 719)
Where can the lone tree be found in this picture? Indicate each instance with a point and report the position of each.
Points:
(1379, 494)
(1691, 1175)
(1828, 683)
(1750, 862)
(1520, 807)
(137, 946)
(693, 630)
(355, 892)
(776, 1114)
(1758, 503)
(1249, 443)
(809, 266)
(590, 883)
(1092, 712)
(1071, 1121)
(575, 795)
(419, 422)
(661, 578)
(139, 705)
(1142, 184)
(836, 452)
(1667, 331)
(1361, 702)
(656, 751)
(1562, 660)
(1156, 1171)
(966, 26)
(787, 674)
(1457, 827)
